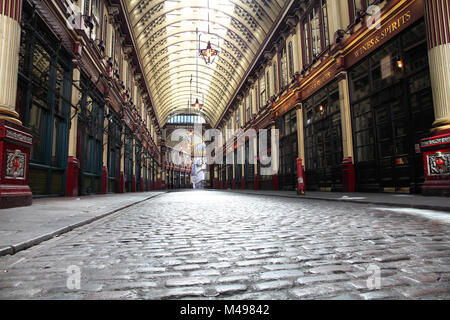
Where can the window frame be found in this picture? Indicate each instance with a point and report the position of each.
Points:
(306, 32)
(364, 5)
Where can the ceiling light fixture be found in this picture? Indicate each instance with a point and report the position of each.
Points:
(209, 54)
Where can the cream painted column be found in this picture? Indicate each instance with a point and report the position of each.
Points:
(274, 143)
(134, 158)
(346, 120)
(122, 151)
(255, 153)
(76, 96)
(73, 164)
(10, 13)
(334, 18)
(105, 142)
(142, 185)
(437, 17)
(300, 133)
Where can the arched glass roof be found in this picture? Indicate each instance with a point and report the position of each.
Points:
(167, 42)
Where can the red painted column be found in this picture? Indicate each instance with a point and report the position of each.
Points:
(15, 139)
(436, 148)
(301, 186)
(142, 185)
(243, 183)
(275, 181)
(72, 177)
(348, 175)
(15, 144)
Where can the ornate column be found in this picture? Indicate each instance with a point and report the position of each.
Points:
(300, 132)
(348, 169)
(122, 161)
(274, 151)
(436, 149)
(104, 178)
(142, 189)
(133, 170)
(15, 140)
(255, 166)
(301, 146)
(73, 163)
(10, 13)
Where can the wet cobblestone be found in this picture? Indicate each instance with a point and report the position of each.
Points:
(221, 245)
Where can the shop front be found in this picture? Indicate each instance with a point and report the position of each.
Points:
(287, 175)
(128, 157)
(323, 139)
(249, 167)
(114, 152)
(138, 165)
(392, 106)
(177, 179)
(90, 138)
(237, 170)
(265, 167)
(44, 103)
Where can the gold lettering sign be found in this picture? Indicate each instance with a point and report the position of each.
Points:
(318, 83)
(384, 33)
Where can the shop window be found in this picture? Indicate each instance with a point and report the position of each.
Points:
(248, 110)
(291, 59)
(290, 123)
(114, 150)
(43, 102)
(128, 148)
(392, 113)
(262, 91)
(283, 68)
(358, 7)
(275, 77)
(316, 37)
(138, 165)
(323, 138)
(90, 130)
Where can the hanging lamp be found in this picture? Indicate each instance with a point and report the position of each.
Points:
(209, 54)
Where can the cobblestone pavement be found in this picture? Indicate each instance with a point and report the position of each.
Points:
(217, 245)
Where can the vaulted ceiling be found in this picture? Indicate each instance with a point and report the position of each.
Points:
(166, 37)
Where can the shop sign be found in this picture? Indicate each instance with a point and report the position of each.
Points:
(319, 81)
(413, 10)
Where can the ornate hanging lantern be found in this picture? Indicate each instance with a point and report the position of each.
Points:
(209, 54)
(197, 104)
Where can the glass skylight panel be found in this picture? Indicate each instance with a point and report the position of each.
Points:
(171, 65)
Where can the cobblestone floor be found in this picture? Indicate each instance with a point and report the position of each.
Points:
(217, 245)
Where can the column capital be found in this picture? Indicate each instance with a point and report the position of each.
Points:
(437, 18)
(11, 9)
